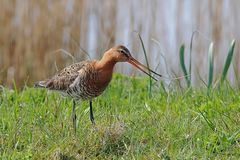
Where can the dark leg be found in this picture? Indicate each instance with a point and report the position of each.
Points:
(91, 112)
(74, 117)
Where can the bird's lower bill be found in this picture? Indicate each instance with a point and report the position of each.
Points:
(143, 68)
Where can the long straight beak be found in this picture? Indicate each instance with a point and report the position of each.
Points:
(143, 68)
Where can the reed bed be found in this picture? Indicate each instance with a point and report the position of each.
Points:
(32, 31)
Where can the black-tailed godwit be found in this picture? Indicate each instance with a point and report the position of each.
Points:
(88, 79)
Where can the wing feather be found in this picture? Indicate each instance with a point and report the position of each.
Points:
(64, 78)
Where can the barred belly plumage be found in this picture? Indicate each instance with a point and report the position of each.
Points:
(85, 89)
(83, 92)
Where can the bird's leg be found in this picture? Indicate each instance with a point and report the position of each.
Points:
(74, 117)
(91, 112)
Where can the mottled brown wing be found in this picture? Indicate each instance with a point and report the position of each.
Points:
(63, 79)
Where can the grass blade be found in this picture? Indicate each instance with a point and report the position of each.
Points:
(236, 75)
(145, 56)
(183, 66)
(190, 57)
(209, 122)
(228, 61)
(210, 64)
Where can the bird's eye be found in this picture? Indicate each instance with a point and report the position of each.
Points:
(122, 51)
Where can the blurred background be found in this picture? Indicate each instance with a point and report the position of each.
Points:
(32, 32)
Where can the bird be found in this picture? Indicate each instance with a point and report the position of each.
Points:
(88, 79)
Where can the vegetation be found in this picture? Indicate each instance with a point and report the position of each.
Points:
(172, 124)
(137, 118)
(33, 31)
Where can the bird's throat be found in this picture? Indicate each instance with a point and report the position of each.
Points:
(106, 64)
(105, 69)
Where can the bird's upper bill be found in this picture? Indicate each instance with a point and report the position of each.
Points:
(143, 68)
(122, 54)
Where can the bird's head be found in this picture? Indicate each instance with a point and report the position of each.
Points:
(122, 54)
(119, 53)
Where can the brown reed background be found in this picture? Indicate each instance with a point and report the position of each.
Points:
(32, 30)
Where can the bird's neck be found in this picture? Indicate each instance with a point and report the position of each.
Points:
(107, 63)
(105, 69)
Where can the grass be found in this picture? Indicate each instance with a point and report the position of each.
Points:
(210, 66)
(175, 124)
(183, 66)
(31, 32)
(146, 59)
(228, 61)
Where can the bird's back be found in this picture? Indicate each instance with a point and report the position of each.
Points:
(62, 79)
(79, 80)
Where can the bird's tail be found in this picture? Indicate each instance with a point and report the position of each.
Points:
(40, 84)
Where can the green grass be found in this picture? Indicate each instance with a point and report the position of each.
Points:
(228, 61)
(183, 66)
(179, 124)
(210, 66)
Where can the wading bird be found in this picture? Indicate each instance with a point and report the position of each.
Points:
(88, 79)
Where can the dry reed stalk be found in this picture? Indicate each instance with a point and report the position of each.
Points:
(31, 30)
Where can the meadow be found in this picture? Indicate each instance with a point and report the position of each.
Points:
(131, 123)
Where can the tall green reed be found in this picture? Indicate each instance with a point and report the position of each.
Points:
(228, 61)
(210, 66)
(183, 66)
(146, 59)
